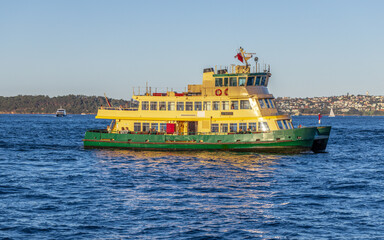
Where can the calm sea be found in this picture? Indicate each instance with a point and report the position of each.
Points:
(52, 188)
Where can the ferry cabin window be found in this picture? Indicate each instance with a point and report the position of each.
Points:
(267, 103)
(262, 104)
(216, 105)
(244, 104)
(180, 106)
(144, 105)
(207, 106)
(146, 127)
(250, 81)
(215, 127)
(171, 106)
(263, 81)
(234, 105)
(242, 127)
(225, 82)
(225, 105)
(218, 82)
(155, 126)
(233, 81)
(280, 124)
(162, 106)
(271, 103)
(224, 127)
(263, 127)
(242, 81)
(137, 127)
(252, 126)
(233, 127)
(197, 106)
(189, 106)
(257, 82)
(163, 127)
(289, 123)
(286, 124)
(153, 105)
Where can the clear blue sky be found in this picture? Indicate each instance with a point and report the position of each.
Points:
(315, 48)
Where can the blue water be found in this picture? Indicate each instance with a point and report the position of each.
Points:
(52, 188)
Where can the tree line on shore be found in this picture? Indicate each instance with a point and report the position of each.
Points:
(40, 104)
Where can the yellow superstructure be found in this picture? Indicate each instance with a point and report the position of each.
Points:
(224, 103)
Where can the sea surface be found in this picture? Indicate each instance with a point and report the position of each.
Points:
(53, 188)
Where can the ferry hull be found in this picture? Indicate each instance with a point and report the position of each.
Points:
(290, 140)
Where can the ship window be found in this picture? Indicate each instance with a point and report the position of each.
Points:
(263, 81)
(271, 103)
(244, 104)
(280, 124)
(188, 106)
(144, 105)
(153, 105)
(252, 126)
(242, 127)
(233, 81)
(162, 106)
(257, 82)
(234, 105)
(207, 106)
(225, 105)
(224, 127)
(197, 106)
(216, 105)
(215, 127)
(171, 106)
(241, 81)
(180, 106)
(267, 103)
(250, 81)
(218, 82)
(163, 127)
(233, 127)
(262, 104)
(155, 126)
(286, 124)
(225, 82)
(263, 127)
(137, 127)
(146, 127)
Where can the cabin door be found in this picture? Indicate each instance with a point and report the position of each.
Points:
(192, 128)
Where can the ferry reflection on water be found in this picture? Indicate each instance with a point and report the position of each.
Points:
(193, 186)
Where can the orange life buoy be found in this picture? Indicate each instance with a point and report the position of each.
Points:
(226, 92)
(218, 92)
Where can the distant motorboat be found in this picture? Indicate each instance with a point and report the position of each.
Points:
(61, 112)
(331, 114)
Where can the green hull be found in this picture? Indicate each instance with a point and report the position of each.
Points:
(289, 140)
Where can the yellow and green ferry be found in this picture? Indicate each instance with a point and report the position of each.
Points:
(232, 110)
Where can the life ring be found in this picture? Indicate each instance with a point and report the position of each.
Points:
(218, 92)
(226, 92)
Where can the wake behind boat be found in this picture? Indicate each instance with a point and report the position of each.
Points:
(232, 110)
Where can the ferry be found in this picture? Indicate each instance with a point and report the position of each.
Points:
(231, 110)
(61, 112)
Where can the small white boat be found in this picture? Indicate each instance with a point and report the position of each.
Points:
(331, 114)
(61, 112)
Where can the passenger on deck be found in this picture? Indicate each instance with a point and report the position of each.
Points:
(124, 130)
